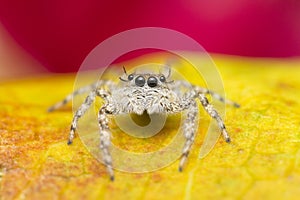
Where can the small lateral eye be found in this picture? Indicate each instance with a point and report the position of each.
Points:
(162, 78)
(130, 77)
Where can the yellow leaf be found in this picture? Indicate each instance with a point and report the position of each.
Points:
(262, 162)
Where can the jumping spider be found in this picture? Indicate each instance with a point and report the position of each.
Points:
(145, 92)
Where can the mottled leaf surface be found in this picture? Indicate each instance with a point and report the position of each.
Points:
(262, 162)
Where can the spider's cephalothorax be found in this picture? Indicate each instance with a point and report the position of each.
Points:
(149, 93)
(145, 92)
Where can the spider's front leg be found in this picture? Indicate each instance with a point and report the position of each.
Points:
(80, 112)
(198, 89)
(216, 96)
(69, 97)
(103, 125)
(214, 114)
(82, 109)
(105, 137)
(81, 90)
(189, 129)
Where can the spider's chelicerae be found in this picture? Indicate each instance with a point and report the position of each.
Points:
(145, 92)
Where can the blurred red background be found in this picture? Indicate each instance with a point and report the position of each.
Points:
(60, 34)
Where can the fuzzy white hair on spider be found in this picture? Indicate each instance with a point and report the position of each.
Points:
(148, 92)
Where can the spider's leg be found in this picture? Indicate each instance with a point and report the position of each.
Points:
(69, 97)
(105, 139)
(80, 112)
(81, 90)
(187, 85)
(189, 129)
(214, 114)
(217, 96)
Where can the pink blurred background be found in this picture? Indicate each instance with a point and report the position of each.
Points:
(59, 34)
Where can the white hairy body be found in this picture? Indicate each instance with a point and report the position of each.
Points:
(145, 92)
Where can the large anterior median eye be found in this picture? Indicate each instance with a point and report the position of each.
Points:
(152, 81)
(140, 81)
